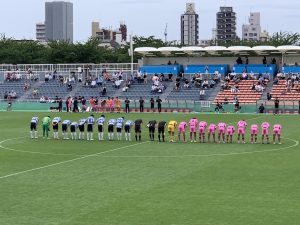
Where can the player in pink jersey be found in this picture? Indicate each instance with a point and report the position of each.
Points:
(276, 133)
(254, 132)
(265, 132)
(193, 126)
(181, 130)
(230, 132)
(241, 130)
(212, 131)
(202, 128)
(221, 131)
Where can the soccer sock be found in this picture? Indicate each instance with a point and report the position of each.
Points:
(163, 137)
(120, 134)
(140, 137)
(91, 136)
(159, 137)
(129, 136)
(99, 136)
(72, 137)
(112, 136)
(35, 134)
(75, 135)
(150, 136)
(88, 136)
(79, 135)
(136, 137)
(126, 136)
(31, 134)
(82, 136)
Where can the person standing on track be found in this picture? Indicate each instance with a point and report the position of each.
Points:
(127, 102)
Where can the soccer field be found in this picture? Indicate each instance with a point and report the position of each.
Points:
(65, 182)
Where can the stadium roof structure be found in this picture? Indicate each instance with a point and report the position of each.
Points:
(217, 50)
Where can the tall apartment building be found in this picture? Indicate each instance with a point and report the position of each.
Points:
(59, 21)
(40, 32)
(189, 26)
(226, 25)
(108, 35)
(252, 31)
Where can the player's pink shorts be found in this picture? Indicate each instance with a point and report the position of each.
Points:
(211, 130)
(254, 131)
(229, 132)
(241, 131)
(221, 131)
(192, 129)
(276, 131)
(181, 129)
(202, 130)
(265, 132)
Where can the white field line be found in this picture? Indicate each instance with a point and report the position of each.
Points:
(70, 160)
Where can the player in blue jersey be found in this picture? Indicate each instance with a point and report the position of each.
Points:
(127, 128)
(81, 124)
(64, 125)
(33, 125)
(110, 128)
(55, 123)
(73, 128)
(119, 126)
(100, 122)
(90, 125)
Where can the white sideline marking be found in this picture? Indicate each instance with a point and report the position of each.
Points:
(30, 152)
(70, 160)
(296, 143)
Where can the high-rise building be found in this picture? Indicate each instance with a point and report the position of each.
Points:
(40, 32)
(189, 26)
(108, 35)
(226, 25)
(252, 31)
(59, 21)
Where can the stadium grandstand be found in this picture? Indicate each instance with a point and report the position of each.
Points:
(192, 78)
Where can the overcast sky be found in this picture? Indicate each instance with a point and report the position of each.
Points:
(147, 17)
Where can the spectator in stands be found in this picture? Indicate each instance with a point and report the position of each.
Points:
(35, 92)
(175, 63)
(186, 84)
(275, 81)
(177, 85)
(259, 88)
(127, 102)
(139, 77)
(69, 87)
(227, 78)
(264, 61)
(244, 76)
(145, 78)
(26, 86)
(205, 84)
(202, 94)
(234, 89)
(212, 84)
(118, 83)
(253, 86)
(235, 99)
(170, 77)
(237, 107)
(269, 96)
(239, 60)
(224, 85)
(273, 61)
(252, 76)
(246, 60)
(103, 93)
(169, 63)
(100, 80)
(261, 108)
(217, 76)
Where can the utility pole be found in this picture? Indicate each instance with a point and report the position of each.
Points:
(166, 33)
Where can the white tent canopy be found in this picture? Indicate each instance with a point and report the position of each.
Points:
(261, 50)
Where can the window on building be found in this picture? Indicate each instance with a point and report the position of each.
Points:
(255, 34)
(250, 34)
(253, 29)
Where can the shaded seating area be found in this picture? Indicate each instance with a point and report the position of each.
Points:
(158, 69)
(208, 69)
(280, 91)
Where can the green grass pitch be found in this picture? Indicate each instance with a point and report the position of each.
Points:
(65, 182)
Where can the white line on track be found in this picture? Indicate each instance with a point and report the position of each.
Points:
(70, 160)
(296, 143)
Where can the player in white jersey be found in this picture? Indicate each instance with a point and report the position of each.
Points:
(110, 128)
(33, 124)
(127, 127)
(119, 126)
(55, 123)
(90, 124)
(81, 128)
(64, 126)
(100, 122)
(73, 128)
